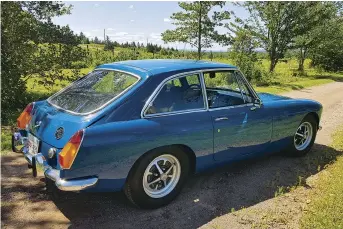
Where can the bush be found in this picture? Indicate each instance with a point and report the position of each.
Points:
(251, 68)
(79, 64)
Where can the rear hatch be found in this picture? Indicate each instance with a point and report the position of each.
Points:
(54, 121)
(55, 127)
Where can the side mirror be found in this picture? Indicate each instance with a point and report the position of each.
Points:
(257, 104)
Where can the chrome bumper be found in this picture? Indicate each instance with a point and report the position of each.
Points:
(39, 164)
(40, 167)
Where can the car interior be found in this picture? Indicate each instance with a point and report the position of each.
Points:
(185, 93)
(222, 96)
(178, 94)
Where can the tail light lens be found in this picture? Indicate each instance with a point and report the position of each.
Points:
(25, 116)
(69, 151)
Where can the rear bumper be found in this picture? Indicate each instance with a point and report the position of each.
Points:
(41, 168)
(39, 163)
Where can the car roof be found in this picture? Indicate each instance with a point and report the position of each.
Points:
(157, 66)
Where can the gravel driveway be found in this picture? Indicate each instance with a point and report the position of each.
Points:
(211, 200)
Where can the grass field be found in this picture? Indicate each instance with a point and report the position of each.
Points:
(326, 206)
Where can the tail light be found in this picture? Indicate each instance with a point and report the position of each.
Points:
(25, 116)
(69, 151)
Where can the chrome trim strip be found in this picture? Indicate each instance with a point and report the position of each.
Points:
(62, 184)
(240, 89)
(229, 107)
(175, 113)
(204, 90)
(104, 105)
(249, 85)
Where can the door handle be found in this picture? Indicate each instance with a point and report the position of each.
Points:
(221, 119)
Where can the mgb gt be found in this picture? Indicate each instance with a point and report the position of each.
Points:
(144, 126)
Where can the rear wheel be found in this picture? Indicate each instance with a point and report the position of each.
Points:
(304, 136)
(158, 177)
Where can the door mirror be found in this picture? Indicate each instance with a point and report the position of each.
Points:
(257, 103)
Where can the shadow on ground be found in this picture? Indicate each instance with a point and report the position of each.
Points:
(204, 197)
(331, 77)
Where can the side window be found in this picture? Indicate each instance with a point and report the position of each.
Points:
(184, 93)
(222, 89)
(248, 97)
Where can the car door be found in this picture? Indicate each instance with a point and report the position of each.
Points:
(178, 110)
(240, 126)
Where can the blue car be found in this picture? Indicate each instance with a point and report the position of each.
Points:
(144, 126)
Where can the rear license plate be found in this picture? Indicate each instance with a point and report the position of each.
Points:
(33, 144)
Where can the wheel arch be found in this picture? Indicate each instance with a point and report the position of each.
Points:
(315, 115)
(186, 149)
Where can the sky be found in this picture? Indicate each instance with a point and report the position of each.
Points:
(129, 21)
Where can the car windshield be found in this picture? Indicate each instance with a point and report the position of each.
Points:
(93, 91)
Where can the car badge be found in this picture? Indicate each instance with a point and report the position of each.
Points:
(59, 133)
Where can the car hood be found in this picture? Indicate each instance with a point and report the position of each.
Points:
(266, 97)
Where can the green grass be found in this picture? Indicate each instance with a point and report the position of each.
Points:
(326, 206)
(32, 85)
(6, 137)
(297, 84)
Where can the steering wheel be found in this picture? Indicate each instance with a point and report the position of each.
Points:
(192, 93)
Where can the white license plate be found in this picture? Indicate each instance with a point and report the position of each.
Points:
(33, 144)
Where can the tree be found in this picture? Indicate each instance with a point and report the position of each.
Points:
(277, 24)
(328, 52)
(31, 45)
(243, 53)
(96, 40)
(109, 45)
(83, 38)
(194, 26)
(318, 15)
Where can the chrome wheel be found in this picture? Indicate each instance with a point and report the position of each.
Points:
(161, 176)
(303, 136)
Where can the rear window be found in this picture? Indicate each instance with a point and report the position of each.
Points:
(93, 91)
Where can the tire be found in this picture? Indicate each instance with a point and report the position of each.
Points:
(297, 149)
(145, 196)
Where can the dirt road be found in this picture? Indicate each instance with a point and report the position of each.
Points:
(210, 200)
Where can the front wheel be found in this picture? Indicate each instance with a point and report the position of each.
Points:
(304, 136)
(157, 178)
